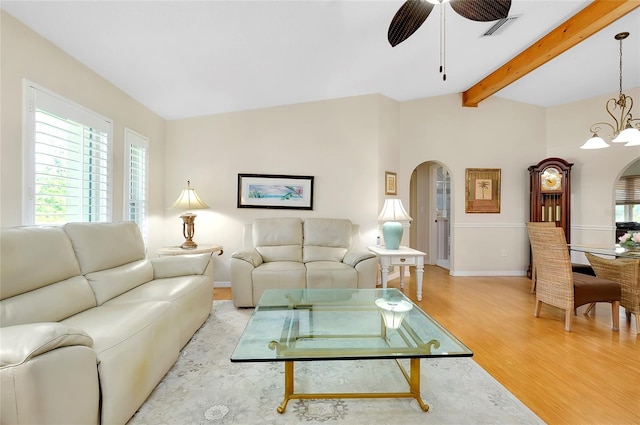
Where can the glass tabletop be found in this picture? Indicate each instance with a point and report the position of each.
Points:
(339, 324)
(614, 250)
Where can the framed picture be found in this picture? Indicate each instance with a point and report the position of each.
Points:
(390, 183)
(482, 190)
(275, 191)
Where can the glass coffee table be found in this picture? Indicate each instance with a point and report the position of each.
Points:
(344, 324)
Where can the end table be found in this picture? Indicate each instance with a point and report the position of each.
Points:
(402, 257)
(200, 249)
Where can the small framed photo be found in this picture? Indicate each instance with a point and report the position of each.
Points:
(482, 190)
(275, 191)
(390, 183)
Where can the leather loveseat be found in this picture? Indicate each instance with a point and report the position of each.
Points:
(89, 325)
(291, 253)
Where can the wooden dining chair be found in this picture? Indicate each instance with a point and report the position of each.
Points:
(557, 285)
(625, 271)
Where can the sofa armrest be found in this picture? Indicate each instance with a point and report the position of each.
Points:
(251, 256)
(180, 265)
(21, 343)
(353, 257)
(48, 375)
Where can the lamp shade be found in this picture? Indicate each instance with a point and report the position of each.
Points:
(630, 136)
(392, 213)
(392, 210)
(595, 142)
(189, 200)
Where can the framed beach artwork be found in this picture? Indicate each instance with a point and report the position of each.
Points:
(482, 190)
(275, 191)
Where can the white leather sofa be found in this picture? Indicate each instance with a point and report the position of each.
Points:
(89, 325)
(291, 253)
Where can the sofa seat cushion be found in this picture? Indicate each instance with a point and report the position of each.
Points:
(136, 345)
(190, 298)
(330, 275)
(278, 275)
(323, 253)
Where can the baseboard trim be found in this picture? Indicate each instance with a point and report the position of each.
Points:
(222, 284)
(488, 273)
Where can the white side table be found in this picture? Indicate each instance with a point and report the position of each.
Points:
(403, 256)
(201, 249)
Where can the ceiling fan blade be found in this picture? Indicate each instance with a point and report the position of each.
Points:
(407, 20)
(482, 10)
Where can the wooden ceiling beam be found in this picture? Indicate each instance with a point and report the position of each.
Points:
(588, 21)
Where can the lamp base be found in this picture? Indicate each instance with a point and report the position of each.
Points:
(189, 245)
(392, 233)
(188, 230)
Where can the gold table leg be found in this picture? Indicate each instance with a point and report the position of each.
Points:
(414, 384)
(413, 379)
(288, 385)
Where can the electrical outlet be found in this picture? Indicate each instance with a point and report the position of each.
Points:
(504, 252)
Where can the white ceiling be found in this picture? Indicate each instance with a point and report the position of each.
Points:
(192, 58)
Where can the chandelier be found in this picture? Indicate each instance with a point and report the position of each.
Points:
(626, 128)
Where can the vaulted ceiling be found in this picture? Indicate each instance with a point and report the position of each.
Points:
(191, 58)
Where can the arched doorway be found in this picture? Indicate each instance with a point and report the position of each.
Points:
(430, 208)
(627, 200)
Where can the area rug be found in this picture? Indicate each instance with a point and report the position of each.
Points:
(204, 387)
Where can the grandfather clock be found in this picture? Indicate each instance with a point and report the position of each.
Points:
(550, 197)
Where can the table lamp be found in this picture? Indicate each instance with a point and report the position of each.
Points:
(392, 213)
(189, 200)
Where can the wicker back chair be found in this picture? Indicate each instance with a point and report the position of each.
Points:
(533, 257)
(625, 271)
(558, 285)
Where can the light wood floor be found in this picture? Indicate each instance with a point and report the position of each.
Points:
(588, 376)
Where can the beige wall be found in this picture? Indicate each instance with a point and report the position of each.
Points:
(595, 172)
(26, 55)
(335, 141)
(497, 134)
(347, 144)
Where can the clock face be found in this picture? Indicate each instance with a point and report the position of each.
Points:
(551, 179)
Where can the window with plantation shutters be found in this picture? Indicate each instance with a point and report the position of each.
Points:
(136, 171)
(628, 199)
(628, 190)
(67, 161)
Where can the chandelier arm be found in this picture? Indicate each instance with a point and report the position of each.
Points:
(628, 117)
(611, 106)
(595, 128)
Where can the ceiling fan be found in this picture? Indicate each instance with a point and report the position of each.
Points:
(413, 13)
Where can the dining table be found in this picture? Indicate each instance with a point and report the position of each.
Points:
(613, 250)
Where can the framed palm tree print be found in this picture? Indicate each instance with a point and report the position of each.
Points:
(482, 190)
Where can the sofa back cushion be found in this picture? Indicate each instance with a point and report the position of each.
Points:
(326, 239)
(278, 239)
(110, 283)
(100, 246)
(40, 277)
